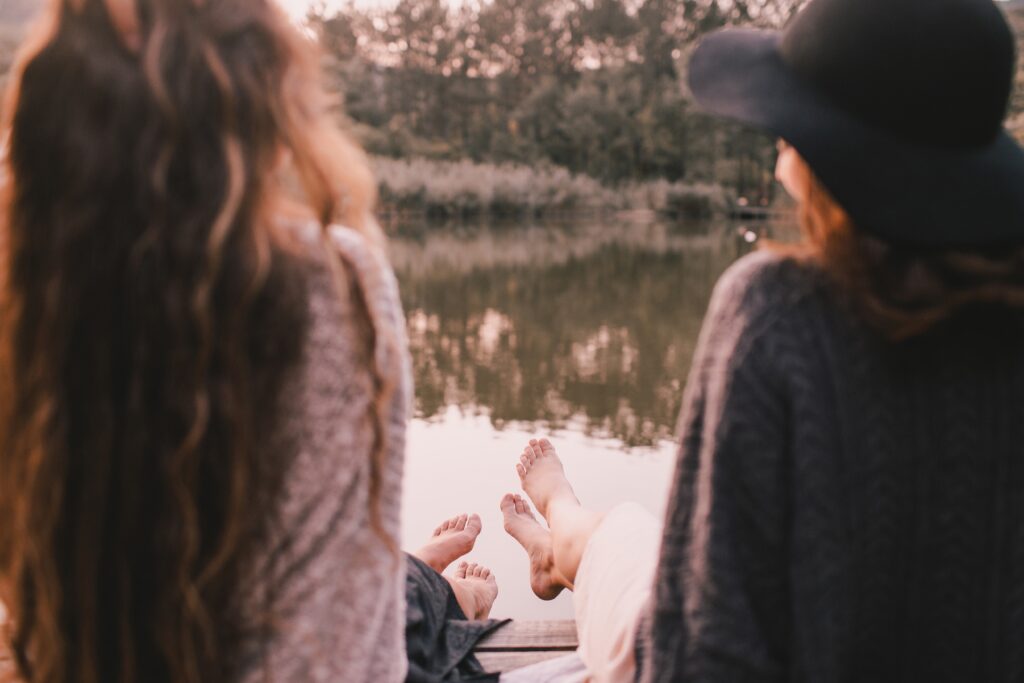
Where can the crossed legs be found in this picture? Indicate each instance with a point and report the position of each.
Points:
(555, 552)
(474, 586)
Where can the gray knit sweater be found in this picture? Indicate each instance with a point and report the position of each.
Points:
(335, 595)
(843, 509)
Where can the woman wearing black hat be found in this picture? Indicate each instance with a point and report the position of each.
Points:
(849, 499)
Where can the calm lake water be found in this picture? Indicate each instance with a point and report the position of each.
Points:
(581, 332)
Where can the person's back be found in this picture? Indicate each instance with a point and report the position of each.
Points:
(866, 526)
(908, 468)
(203, 385)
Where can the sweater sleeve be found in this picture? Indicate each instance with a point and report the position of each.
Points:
(720, 605)
(328, 593)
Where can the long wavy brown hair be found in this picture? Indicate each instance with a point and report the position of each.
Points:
(902, 291)
(150, 304)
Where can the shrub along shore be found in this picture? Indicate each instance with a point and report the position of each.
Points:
(466, 190)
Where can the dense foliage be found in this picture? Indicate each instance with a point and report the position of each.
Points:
(593, 86)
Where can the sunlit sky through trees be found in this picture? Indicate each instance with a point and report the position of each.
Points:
(299, 8)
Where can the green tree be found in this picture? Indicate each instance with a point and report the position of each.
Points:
(595, 86)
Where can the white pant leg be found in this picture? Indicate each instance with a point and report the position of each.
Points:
(613, 584)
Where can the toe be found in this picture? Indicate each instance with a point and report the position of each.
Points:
(546, 446)
(460, 522)
(508, 504)
(526, 461)
(474, 524)
(520, 470)
(460, 572)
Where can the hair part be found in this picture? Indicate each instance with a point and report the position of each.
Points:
(901, 291)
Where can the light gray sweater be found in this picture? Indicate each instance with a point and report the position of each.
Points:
(335, 591)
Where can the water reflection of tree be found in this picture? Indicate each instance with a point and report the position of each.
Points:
(606, 339)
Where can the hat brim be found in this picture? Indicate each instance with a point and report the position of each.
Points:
(904, 192)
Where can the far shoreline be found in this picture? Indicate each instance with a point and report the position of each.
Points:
(442, 190)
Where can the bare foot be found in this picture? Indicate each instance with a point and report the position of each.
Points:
(453, 539)
(478, 587)
(543, 476)
(536, 540)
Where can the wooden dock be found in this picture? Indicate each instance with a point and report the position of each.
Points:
(514, 645)
(521, 643)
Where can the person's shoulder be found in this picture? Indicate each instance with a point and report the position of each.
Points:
(771, 272)
(765, 299)
(349, 278)
(361, 249)
(365, 253)
(765, 283)
(360, 253)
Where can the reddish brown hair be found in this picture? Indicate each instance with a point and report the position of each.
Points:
(902, 291)
(150, 303)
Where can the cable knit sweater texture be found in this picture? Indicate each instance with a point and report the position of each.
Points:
(337, 593)
(843, 509)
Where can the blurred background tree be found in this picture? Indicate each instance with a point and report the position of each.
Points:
(596, 87)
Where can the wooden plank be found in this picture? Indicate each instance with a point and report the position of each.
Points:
(532, 635)
(498, 662)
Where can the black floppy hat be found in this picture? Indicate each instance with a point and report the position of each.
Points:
(897, 106)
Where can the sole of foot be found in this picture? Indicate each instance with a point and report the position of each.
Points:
(521, 525)
(543, 476)
(480, 584)
(451, 540)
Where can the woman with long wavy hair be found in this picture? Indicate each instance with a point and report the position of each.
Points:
(203, 384)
